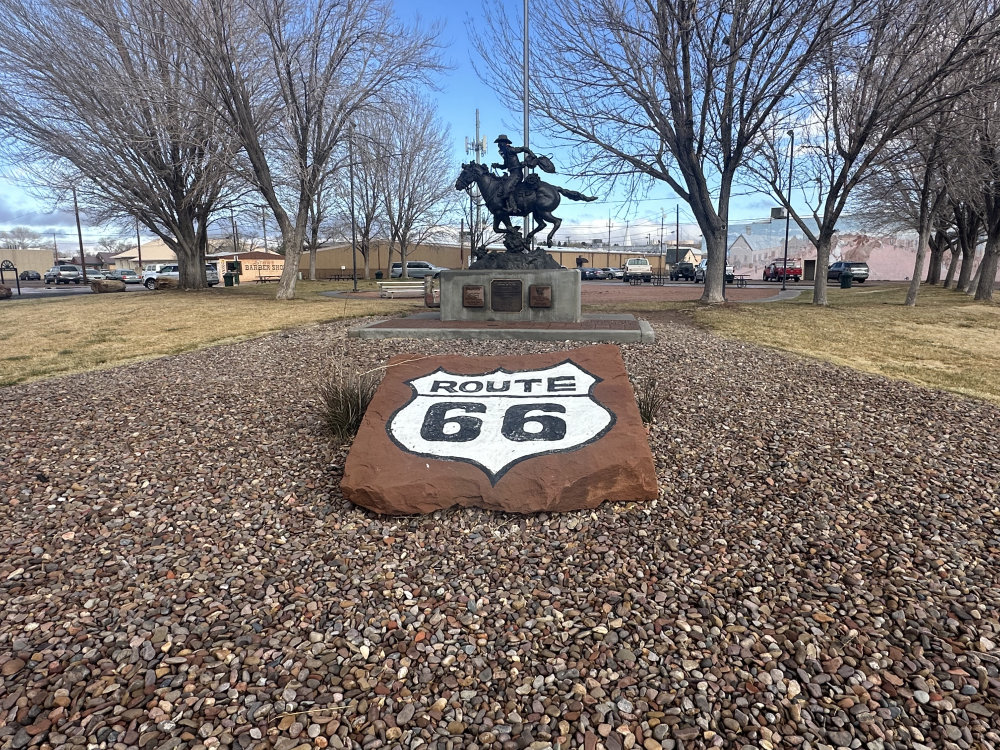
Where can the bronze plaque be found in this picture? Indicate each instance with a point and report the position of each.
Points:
(540, 295)
(506, 295)
(473, 295)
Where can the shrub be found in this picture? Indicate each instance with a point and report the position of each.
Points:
(343, 402)
(649, 398)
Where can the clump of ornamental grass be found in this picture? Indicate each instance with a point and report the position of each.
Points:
(344, 398)
(649, 398)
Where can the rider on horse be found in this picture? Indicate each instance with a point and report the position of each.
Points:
(515, 170)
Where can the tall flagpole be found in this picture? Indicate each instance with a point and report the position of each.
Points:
(524, 85)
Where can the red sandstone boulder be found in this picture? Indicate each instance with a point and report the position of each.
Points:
(544, 432)
(5, 292)
(103, 286)
(166, 282)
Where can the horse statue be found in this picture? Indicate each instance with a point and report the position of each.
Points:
(533, 196)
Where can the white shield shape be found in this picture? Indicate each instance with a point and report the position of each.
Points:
(497, 419)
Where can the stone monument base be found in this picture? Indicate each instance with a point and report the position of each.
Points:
(542, 295)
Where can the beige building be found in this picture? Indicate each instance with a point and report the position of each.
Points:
(29, 259)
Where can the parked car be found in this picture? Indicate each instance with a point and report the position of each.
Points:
(859, 271)
(777, 270)
(637, 268)
(683, 270)
(173, 272)
(30, 276)
(62, 274)
(415, 269)
(588, 274)
(125, 274)
(702, 268)
(613, 273)
(93, 274)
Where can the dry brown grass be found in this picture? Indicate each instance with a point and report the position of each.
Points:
(947, 341)
(45, 337)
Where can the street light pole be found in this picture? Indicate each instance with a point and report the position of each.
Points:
(788, 212)
(354, 225)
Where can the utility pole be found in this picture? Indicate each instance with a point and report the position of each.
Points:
(661, 242)
(354, 223)
(138, 244)
(608, 253)
(263, 224)
(478, 148)
(788, 213)
(79, 233)
(677, 232)
(236, 236)
(55, 250)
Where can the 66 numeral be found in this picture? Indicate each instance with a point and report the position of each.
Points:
(520, 424)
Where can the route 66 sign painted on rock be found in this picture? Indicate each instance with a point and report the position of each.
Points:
(551, 431)
(497, 419)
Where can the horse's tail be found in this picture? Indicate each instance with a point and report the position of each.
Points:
(575, 195)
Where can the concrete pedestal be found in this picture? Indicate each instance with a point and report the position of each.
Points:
(541, 296)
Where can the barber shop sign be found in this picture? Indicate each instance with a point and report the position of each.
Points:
(555, 431)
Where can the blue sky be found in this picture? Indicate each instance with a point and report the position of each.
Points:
(461, 94)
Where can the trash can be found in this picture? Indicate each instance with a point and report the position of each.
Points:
(378, 274)
(228, 278)
(846, 277)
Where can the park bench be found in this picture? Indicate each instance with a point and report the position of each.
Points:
(393, 289)
(741, 280)
(265, 279)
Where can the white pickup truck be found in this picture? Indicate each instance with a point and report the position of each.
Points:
(149, 276)
(637, 268)
(702, 268)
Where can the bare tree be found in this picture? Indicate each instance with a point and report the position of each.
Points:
(289, 76)
(114, 246)
(677, 92)
(19, 238)
(866, 91)
(416, 179)
(98, 96)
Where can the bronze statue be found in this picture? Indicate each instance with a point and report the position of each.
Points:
(512, 195)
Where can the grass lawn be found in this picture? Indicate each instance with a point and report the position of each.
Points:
(947, 341)
(42, 337)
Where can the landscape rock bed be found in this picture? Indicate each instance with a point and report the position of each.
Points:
(179, 570)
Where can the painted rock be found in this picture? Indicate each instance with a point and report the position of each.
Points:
(542, 432)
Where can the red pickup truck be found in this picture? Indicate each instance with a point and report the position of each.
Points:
(777, 269)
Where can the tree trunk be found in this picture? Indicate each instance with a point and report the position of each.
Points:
(965, 272)
(823, 243)
(987, 271)
(952, 269)
(923, 240)
(937, 247)
(974, 281)
(293, 239)
(190, 254)
(715, 273)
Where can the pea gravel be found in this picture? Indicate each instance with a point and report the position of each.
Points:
(179, 570)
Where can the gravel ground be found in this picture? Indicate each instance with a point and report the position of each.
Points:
(178, 569)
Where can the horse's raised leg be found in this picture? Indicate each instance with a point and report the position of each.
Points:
(556, 222)
(539, 224)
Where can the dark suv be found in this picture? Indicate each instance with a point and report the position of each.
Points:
(859, 271)
(683, 270)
